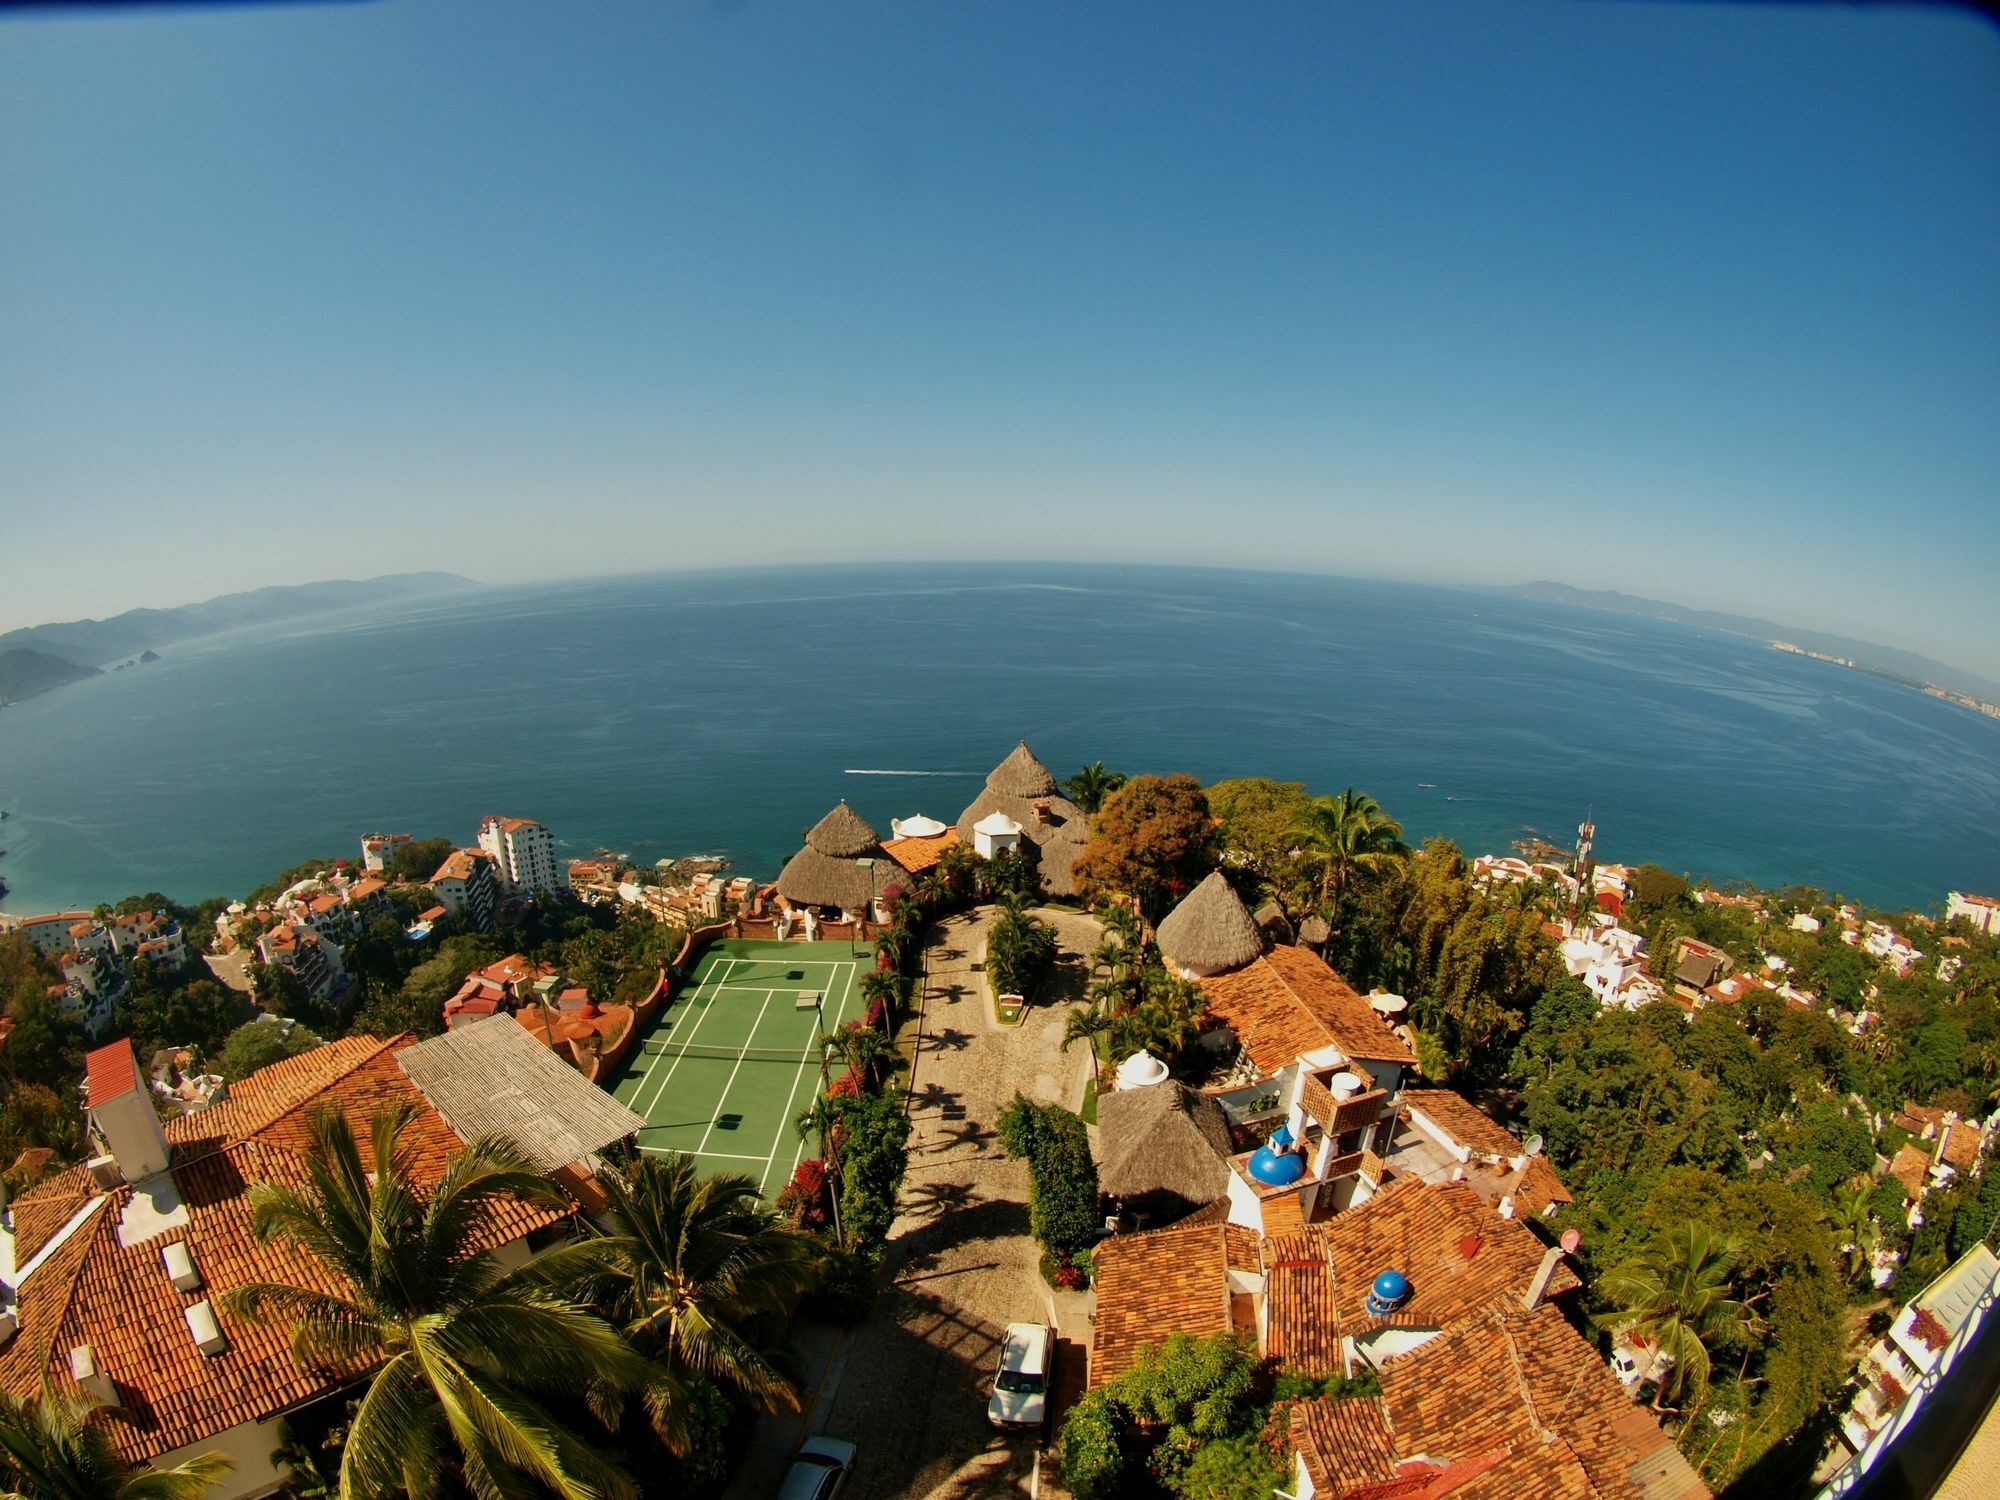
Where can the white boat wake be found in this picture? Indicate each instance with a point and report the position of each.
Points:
(852, 772)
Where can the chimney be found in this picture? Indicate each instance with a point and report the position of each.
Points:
(1042, 813)
(203, 1328)
(1539, 1287)
(83, 1370)
(122, 1117)
(181, 1271)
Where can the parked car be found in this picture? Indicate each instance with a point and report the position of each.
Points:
(1020, 1399)
(818, 1470)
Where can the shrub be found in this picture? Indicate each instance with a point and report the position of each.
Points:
(1093, 1448)
(1062, 1178)
(874, 1150)
(1020, 949)
(845, 1290)
(803, 1200)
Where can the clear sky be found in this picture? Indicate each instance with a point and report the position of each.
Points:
(1692, 300)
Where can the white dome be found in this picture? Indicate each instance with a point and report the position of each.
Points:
(919, 827)
(1141, 1069)
(997, 825)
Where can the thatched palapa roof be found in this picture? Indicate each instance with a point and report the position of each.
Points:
(1162, 1141)
(824, 873)
(1210, 932)
(1053, 828)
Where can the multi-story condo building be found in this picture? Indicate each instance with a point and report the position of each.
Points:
(1982, 912)
(466, 885)
(524, 854)
(377, 849)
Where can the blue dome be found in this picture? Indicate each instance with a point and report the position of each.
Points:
(1387, 1292)
(1276, 1168)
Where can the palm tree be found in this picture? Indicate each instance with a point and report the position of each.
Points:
(691, 1261)
(1086, 1023)
(1676, 1294)
(460, 1349)
(1090, 786)
(1339, 835)
(1855, 1219)
(50, 1450)
(867, 1052)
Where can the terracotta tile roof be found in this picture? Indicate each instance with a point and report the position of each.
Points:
(1911, 1166)
(1456, 1253)
(917, 854)
(1288, 1002)
(1507, 1377)
(1462, 1120)
(40, 1212)
(1149, 1285)
(1538, 1188)
(1919, 1119)
(1345, 1443)
(109, 1071)
(118, 1299)
(1959, 1148)
(361, 890)
(1302, 1330)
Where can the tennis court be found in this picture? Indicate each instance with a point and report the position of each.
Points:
(725, 1070)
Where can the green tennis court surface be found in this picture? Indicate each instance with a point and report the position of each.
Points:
(725, 1070)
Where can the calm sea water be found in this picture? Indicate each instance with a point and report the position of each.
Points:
(726, 712)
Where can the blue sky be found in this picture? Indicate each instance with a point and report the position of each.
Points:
(1696, 301)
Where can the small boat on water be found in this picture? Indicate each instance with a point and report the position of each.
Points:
(1427, 786)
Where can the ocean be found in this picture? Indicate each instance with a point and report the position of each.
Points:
(723, 713)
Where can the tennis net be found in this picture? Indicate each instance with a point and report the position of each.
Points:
(671, 1050)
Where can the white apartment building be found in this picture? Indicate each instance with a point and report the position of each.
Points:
(1982, 912)
(524, 855)
(377, 849)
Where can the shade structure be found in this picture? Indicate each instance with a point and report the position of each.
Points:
(919, 827)
(1210, 932)
(1053, 828)
(1165, 1147)
(827, 873)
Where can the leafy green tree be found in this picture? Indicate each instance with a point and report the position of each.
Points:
(688, 1269)
(464, 1356)
(1260, 818)
(1095, 1437)
(1153, 839)
(1062, 1178)
(1020, 949)
(51, 1450)
(46, 1046)
(415, 862)
(1677, 1294)
(165, 1010)
(1190, 1392)
(1090, 786)
(258, 1044)
(1232, 1468)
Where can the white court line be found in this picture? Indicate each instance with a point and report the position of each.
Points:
(734, 1071)
(799, 1155)
(718, 1155)
(708, 1006)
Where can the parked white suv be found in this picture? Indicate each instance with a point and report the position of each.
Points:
(1020, 1400)
(819, 1469)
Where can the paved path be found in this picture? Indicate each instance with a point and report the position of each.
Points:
(910, 1385)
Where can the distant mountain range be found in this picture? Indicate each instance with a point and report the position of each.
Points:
(37, 658)
(1884, 661)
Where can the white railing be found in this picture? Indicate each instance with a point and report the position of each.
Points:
(1858, 1466)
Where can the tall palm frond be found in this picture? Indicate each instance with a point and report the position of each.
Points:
(462, 1355)
(50, 1450)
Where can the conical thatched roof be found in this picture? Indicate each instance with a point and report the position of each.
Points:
(1053, 828)
(824, 873)
(1210, 932)
(844, 834)
(1162, 1140)
(1022, 774)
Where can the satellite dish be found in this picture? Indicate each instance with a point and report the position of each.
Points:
(1569, 1241)
(1533, 1145)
